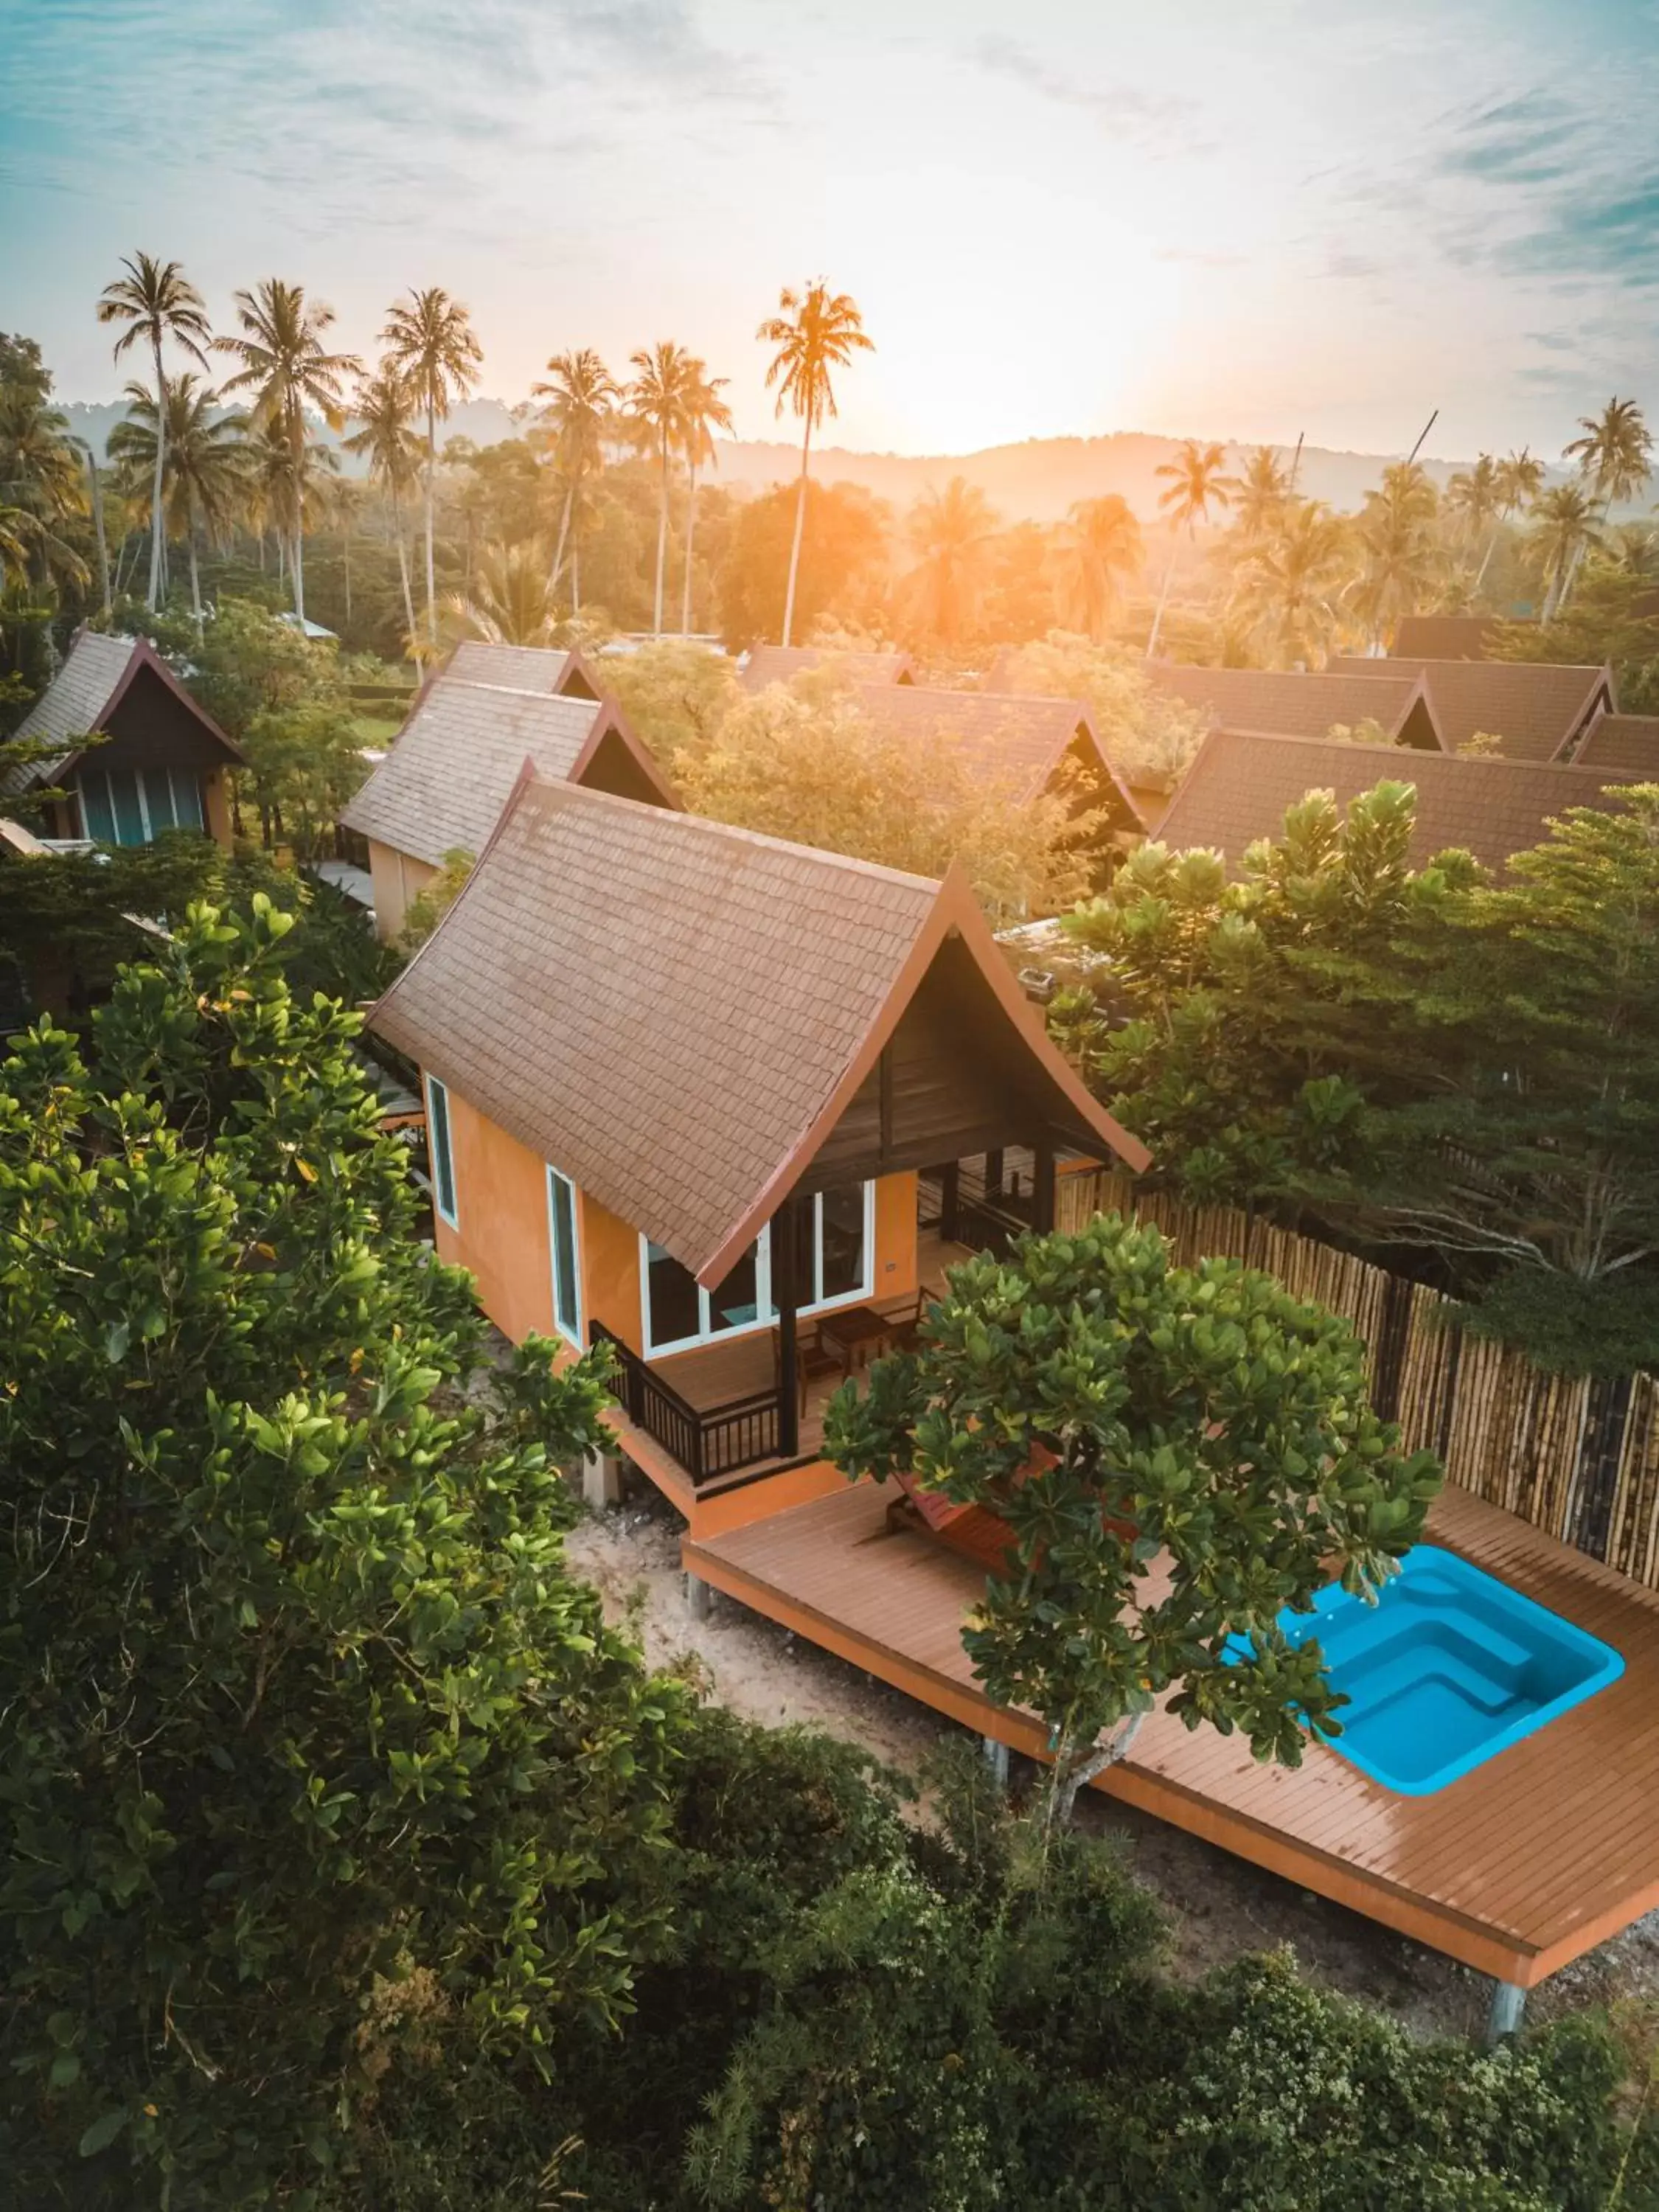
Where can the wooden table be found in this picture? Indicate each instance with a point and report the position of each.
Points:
(853, 1331)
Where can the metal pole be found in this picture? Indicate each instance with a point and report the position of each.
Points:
(1508, 2003)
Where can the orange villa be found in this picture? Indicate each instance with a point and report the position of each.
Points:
(729, 1105)
(445, 781)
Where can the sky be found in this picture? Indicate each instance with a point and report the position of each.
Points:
(1228, 218)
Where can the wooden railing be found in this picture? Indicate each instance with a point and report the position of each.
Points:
(707, 1441)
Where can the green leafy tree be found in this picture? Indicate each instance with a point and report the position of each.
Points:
(815, 332)
(321, 1775)
(431, 903)
(1150, 737)
(1286, 596)
(1179, 1454)
(843, 571)
(676, 696)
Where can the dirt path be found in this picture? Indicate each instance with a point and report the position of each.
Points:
(1219, 1907)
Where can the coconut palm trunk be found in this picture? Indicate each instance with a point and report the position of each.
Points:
(662, 533)
(690, 540)
(1163, 602)
(154, 600)
(800, 523)
(195, 580)
(403, 562)
(1485, 563)
(431, 570)
(558, 569)
(98, 528)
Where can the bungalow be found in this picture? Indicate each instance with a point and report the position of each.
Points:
(555, 675)
(444, 782)
(728, 1105)
(138, 754)
(1297, 705)
(779, 664)
(1031, 744)
(1535, 708)
(1241, 782)
(1622, 746)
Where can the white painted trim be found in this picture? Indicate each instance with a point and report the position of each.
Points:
(452, 1219)
(766, 1314)
(574, 1334)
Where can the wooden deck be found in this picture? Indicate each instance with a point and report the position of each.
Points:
(1545, 1850)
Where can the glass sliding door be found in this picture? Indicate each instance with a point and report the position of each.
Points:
(843, 1243)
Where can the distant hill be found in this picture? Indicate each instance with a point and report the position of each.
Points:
(1035, 480)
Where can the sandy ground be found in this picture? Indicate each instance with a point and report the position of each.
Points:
(1219, 1907)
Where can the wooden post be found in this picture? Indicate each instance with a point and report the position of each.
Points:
(950, 1201)
(786, 1278)
(994, 1174)
(1042, 1185)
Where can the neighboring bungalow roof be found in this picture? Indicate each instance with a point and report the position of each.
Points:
(1017, 736)
(445, 781)
(96, 673)
(776, 663)
(554, 673)
(1625, 745)
(1443, 637)
(677, 1013)
(1298, 705)
(1240, 783)
(1533, 705)
(16, 839)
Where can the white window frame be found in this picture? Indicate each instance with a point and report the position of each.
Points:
(572, 1335)
(766, 1311)
(436, 1089)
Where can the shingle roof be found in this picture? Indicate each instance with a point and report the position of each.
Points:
(73, 703)
(1443, 637)
(1291, 705)
(1015, 737)
(668, 1008)
(776, 663)
(524, 668)
(1622, 745)
(1240, 783)
(1533, 705)
(444, 783)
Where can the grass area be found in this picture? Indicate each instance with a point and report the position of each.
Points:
(376, 730)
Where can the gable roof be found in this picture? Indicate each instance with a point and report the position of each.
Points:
(445, 781)
(550, 670)
(1625, 746)
(1240, 783)
(1015, 736)
(1297, 705)
(1443, 637)
(677, 1012)
(776, 663)
(97, 671)
(1533, 705)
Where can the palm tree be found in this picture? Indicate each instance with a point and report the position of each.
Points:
(655, 402)
(1564, 527)
(1286, 590)
(953, 531)
(1096, 549)
(384, 408)
(1400, 558)
(432, 346)
(1260, 494)
(156, 300)
(286, 366)
(582, 396)
(815, 331)
(1520, 480)
(95, 489)
(40, 481)
(1197, 476)
(1615, 455)
(1473, 496)
(204, 464)
(702, 411)
(511, 601)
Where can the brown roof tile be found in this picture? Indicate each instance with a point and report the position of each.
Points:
(554, 674)
(1622, 745)
(445, 781)
(1015, 736)
(1239, 787)
(1293, 705)
(1533, 705)
(668, 1008)
(776, 663)
(1443, 637)
(97, 670)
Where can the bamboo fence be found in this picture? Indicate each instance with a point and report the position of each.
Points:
(1576, 1456)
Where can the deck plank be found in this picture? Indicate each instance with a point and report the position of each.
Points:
(1516, 1869)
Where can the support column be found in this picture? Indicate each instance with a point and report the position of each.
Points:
(994, 1176)
(950, 1203)
(1043, 1185)
(996, 1758)
(1508, 2003)
(697, 1596)
(602, 1479)
(785, 1277)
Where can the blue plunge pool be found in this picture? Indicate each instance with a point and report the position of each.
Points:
(1449, 1667)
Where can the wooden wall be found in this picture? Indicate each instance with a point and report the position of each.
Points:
(1578, 1457)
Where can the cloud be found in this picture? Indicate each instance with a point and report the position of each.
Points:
(1124, 106)
(1528, 140)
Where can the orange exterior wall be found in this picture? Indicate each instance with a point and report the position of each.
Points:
(501, 1201)
(215, 807)
(397, 878)
(611, 1273)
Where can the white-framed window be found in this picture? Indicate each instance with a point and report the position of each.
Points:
(838, 1266)
(439, 1152)
(565, 1256)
